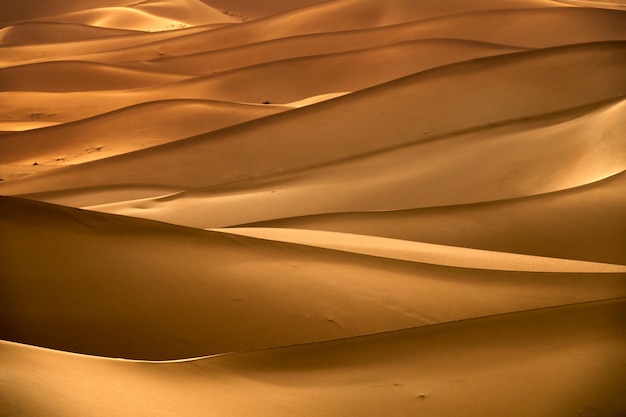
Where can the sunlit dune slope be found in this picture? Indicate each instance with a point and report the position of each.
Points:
(87, 76)
(121, 14)
(583, 223)
(544, 27)
(432, 50)
(459, 96)
(290, 80)
(422, 252)
(189, 292)
(51, 32)
(534, 28)
(253, 9)
(533, 156)
(122, 131)
(568, 360)
(74, 49)
(312, 208)
(33, 9)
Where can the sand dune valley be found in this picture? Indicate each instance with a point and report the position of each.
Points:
(312, 208)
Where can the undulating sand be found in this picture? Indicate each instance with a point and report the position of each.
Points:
(312, 208)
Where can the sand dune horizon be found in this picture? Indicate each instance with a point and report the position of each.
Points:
(312, 207)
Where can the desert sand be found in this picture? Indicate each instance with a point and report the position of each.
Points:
(312, 208)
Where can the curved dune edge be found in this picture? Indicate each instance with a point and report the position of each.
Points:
(330, 44)
(583, 223)
(459, 26)
(230, 292)
(390, 332)
(433, 225)
(149, 15)
(366, 113)
(437, 369)
(588, 139)
(422, 252)
(125, 130)
(23, 125)
(316, 99)
(50, 32)
(85, 76)
(175, 45)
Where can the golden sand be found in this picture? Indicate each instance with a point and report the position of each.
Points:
(312, 208)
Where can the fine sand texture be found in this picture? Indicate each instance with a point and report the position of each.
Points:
(312, 208)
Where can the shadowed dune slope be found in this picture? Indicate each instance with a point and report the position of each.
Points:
(285, 81)
(519, 159)
(422, 252)
(189, 292)
(583, 223)
(74, 106)
(312, 208)
(125, 130)
(342, 15)
(542, 27)
(145, 15)
(33, 9)
(295, 79)
(536, 28)
(308, 45)
(459, 96)
(34, 53)
(78, 76)
(436, 370)
(253, 9)
(50, 32)
(133, 18)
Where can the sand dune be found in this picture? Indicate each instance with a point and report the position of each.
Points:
(576, 148)
(50, 32)
(33, 53)
(89, 76)
(33, 9)
(437, 369)
(254, 9)
(216, 283)
(309, 45)
(422, 252)
(534, 28)
(127, 18)
(450, 91)
(312, 208)
(146, 15)
(582, 223)
(122, 131)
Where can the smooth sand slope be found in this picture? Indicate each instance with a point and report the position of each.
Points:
(459, 96)
(583, 223)
(312, 208)
(51, 32)
(536, 29)
(147, 15)
(568, 360)
(189, 292)
(122, 131)
(88, 76)
(576, 148)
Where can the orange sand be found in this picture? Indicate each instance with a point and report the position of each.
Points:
(312, 208)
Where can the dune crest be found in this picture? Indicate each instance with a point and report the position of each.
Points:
(549, 345)
(422, 252)
(312, 208)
